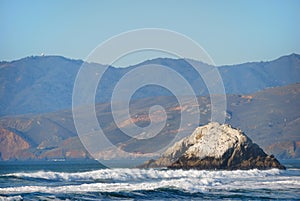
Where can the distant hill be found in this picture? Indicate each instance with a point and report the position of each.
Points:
(271, 118)
(44, 84)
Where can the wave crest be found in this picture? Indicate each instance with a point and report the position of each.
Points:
(119, 175)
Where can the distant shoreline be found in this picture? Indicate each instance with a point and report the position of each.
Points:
(289, 163)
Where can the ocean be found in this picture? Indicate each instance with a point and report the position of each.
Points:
(84, 180)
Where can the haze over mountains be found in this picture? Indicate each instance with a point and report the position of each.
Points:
(36, 121)
(44, 84)
(271, 118)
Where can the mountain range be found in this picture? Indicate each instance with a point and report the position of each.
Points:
(271, 118)
(36, 121)
(41, 84)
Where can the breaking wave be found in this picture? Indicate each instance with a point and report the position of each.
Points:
(114, 180)
(117, 175)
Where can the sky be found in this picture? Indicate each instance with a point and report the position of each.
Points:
(230, 32)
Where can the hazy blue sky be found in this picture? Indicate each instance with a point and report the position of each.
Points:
(230, 31)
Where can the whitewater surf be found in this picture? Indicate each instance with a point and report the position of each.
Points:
(149, 184)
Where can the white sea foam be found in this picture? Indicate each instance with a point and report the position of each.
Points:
(139, 179)
(12, 198)
(186, 184)
(142, 174)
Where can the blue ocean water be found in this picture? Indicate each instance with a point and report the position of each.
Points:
(84, 180)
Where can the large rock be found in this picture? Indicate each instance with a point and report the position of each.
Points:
(215, 146)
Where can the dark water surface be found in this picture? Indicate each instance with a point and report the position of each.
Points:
(86, 180)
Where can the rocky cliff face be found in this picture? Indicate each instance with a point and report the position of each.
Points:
(13, 146)
(215, 146)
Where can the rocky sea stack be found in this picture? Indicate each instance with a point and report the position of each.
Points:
(215, 146)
